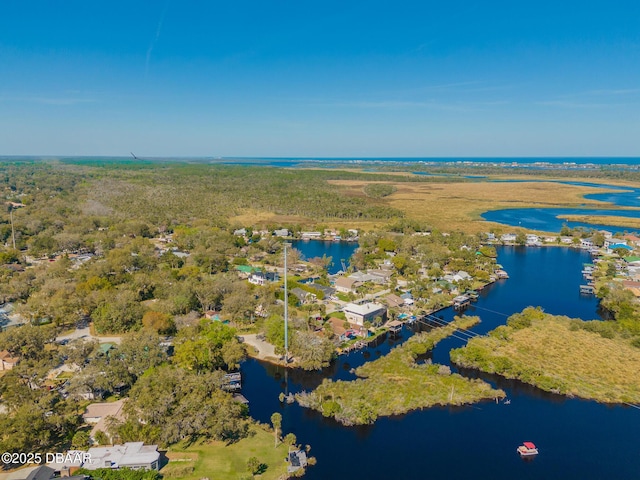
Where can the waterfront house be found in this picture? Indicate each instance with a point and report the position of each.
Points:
(533, 240)
(461, 302)
(310, 235)
(508, 237)
(282, 232)
(337, 326)
(586, 243)
(365, 312)
(297, 459)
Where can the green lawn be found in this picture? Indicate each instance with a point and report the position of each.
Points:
(219, 461)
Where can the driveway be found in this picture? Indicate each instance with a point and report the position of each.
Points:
(265, 351)
(86, 334)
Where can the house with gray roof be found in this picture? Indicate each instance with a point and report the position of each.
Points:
(134, 455)
(365, 312)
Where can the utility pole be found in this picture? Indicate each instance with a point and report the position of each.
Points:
(286, 307)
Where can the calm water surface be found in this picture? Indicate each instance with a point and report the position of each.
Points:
(546, 219)
(338, 251)
(577, 439)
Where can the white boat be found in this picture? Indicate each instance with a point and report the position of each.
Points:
(527, 449)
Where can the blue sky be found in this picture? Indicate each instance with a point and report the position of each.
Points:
(310, 78)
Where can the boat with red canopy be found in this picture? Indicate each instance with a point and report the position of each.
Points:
(527, 449)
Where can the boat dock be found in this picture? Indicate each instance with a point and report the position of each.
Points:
(587, 289)
(395, 327)
(232, 382)
(461, 301)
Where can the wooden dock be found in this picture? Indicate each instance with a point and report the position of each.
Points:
(587, 289)
(394, 327)
(232, 382)
(461, 301)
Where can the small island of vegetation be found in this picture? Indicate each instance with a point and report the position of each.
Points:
(398, 383)
(557, 354)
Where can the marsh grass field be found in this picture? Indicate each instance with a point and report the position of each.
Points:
(628, 222)
(558, 354)
(220, 195)
(458, 205)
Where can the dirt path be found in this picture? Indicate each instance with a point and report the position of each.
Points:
(265, 351)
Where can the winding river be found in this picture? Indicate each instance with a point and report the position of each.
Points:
(546, 219)
(577, 438)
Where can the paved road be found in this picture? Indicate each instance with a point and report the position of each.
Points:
(86, 334)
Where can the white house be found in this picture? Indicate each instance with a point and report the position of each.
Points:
(262, 278)
(614, 241)
(508, 237)
(365, 312)
(533, 239)
(586, 243)
(133, 455)
(307, 235)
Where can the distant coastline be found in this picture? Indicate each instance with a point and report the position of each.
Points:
(530, 162)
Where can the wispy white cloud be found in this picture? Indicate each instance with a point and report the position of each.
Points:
(155, 39)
